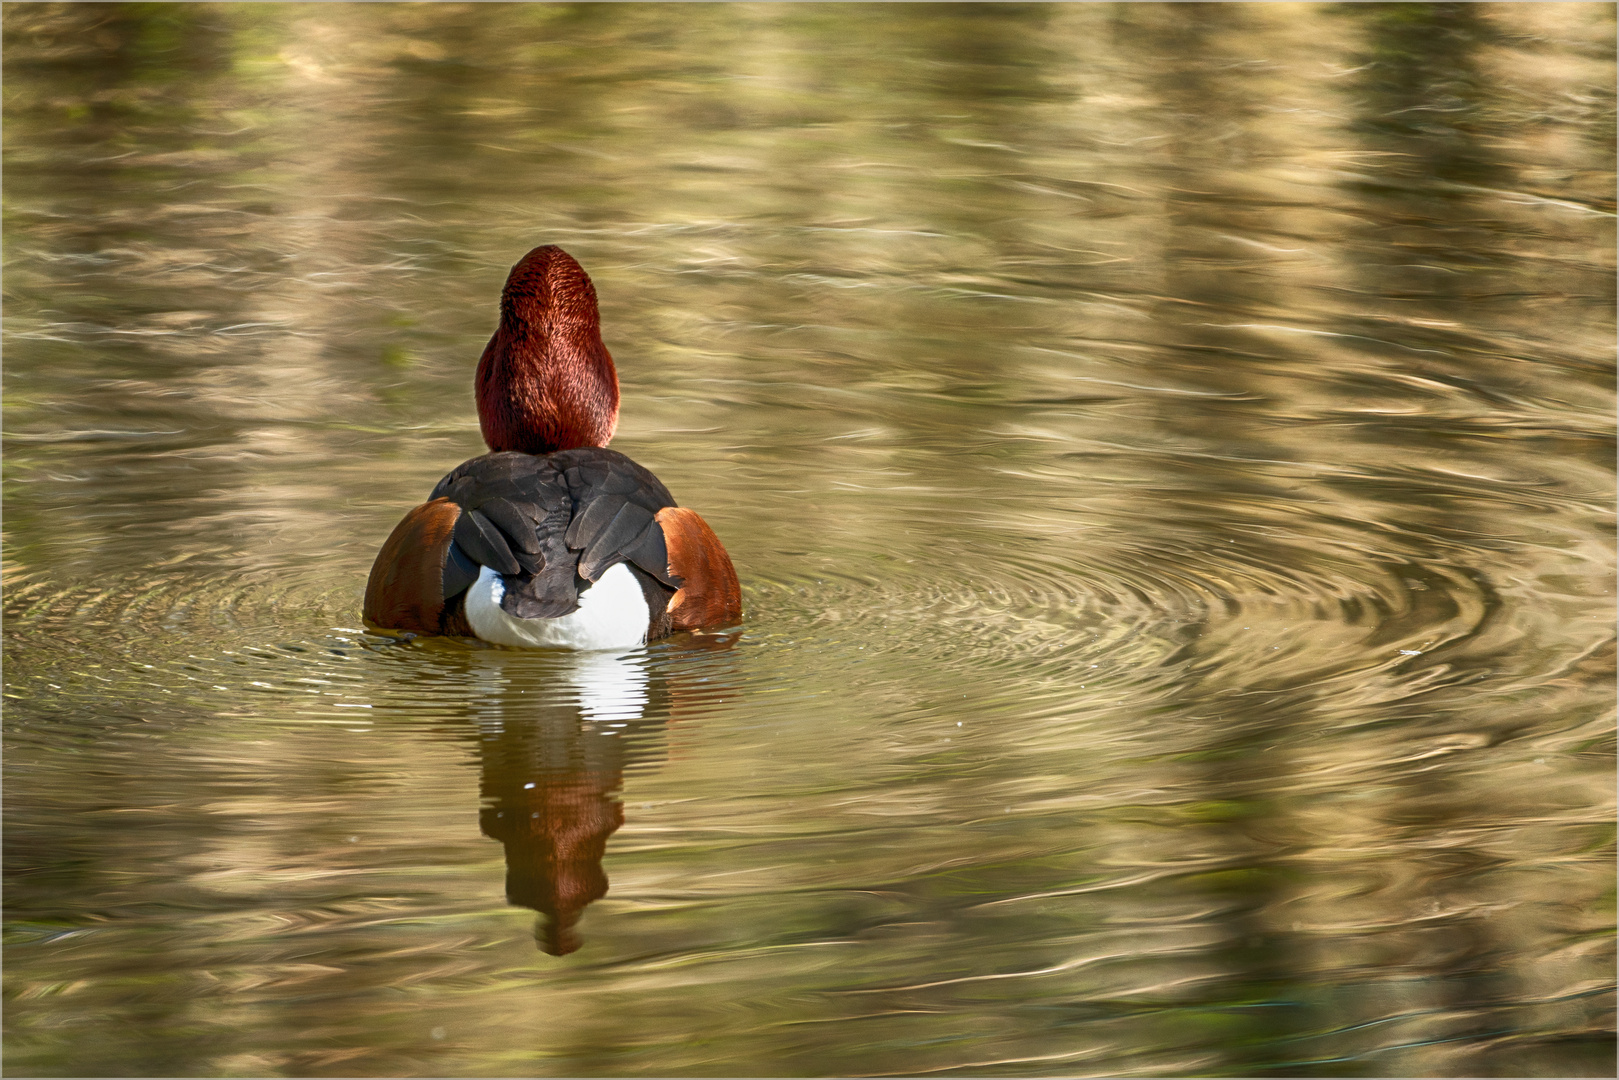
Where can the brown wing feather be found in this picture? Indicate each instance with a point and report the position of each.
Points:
(406, 587)
(709, 593)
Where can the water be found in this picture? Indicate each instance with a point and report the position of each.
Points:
(1168, 452)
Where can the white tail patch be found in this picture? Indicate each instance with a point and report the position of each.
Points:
(612, 614)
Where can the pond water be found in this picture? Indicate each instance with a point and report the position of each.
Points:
(1168, 454)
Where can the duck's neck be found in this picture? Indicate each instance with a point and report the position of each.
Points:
(546, 382)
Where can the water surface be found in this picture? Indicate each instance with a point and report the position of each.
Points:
(1168, 453)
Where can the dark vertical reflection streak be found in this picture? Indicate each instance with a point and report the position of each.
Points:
(1422, 108)
(1213, 128)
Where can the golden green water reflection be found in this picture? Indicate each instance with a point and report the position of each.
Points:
(1168, 451)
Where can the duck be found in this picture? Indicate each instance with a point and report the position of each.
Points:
(551, 540)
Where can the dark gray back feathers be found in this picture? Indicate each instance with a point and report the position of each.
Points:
(551, 523)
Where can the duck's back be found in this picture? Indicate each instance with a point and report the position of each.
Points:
(566, 549)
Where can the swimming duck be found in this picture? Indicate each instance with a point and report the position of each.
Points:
(551, 539)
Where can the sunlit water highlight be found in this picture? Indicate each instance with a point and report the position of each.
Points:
(1168, 455)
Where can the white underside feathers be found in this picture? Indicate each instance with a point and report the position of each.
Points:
(613, 614)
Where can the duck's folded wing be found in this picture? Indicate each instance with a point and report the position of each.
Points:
(515, 514)
(616, 504)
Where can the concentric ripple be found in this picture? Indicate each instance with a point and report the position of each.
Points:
(1146, 616)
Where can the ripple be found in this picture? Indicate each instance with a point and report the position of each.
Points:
(286, 647)
(1130, 616)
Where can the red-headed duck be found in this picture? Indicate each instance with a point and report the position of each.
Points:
(551, 539)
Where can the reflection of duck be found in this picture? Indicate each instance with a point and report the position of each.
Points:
(549, 777)
(553, 761)
(551, 539)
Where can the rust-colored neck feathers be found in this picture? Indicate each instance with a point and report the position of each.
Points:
(546, 382)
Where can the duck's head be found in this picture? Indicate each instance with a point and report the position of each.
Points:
(546, 382)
